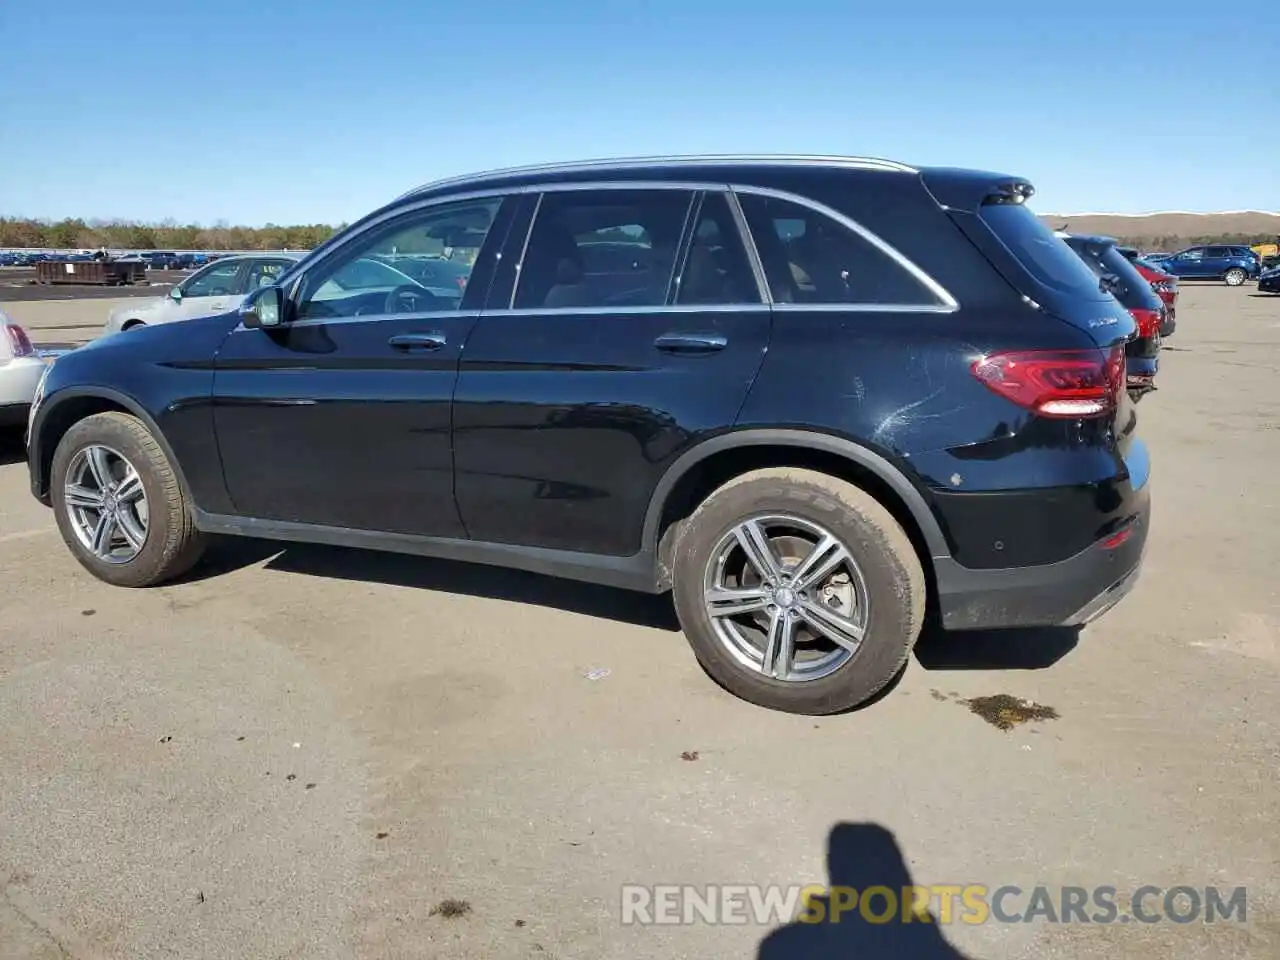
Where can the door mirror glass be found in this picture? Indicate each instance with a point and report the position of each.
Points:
(175, 294)
(263, 308)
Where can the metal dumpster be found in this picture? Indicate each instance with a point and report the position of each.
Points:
(90, 272)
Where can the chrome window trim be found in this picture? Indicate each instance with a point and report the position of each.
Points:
(617, 311)
(933, 286)
(634, 163)
(371, 318)
(947, 303)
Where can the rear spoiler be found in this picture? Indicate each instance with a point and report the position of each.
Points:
(968, 190)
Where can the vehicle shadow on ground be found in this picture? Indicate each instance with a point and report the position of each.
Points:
(445, 576)
(1028, 648)
(12, 447)
(861, 856)
(937, 649)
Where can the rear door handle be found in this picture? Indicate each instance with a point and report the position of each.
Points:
(418, 341)
(691, 342)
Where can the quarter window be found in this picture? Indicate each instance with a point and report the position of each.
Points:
(602, 248)
(383, 273)
(717, 269)
(809, 258)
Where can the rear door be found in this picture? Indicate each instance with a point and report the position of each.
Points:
(583, 381)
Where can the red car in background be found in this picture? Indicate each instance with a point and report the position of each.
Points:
(1164, 284)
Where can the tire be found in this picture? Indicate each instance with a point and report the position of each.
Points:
(172, 545)
(132, 325)
(1235, 277)
(887, 588)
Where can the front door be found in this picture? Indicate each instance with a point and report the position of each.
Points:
(215, 289)
(341, 417)
(579, 389)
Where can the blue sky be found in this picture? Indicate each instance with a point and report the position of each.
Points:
(252, 111)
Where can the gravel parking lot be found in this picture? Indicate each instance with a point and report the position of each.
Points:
(307, 752)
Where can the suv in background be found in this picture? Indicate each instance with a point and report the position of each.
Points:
(1121, 278)
(821, 396)
(1230, 263)
(1164, 284)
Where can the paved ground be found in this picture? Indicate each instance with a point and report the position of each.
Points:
(303, 752)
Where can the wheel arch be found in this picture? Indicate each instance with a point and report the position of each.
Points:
(60, 412)
(715, 461)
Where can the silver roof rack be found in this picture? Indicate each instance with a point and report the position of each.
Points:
(628, 163)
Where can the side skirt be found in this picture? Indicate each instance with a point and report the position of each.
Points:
(636, 572)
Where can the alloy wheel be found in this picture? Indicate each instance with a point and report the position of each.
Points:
(1235, 277)
(107, 504)
(786, 598)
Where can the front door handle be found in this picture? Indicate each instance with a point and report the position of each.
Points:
(418, 341)
(691, 342)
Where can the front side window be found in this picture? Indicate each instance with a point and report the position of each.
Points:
(602, 248)
(216, 280)
(376, 274)
(809, 258)
(716, 270)
(1196, 254)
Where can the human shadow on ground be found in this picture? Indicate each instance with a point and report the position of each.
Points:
(861, 856)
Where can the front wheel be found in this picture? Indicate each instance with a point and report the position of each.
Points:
(798, 591)
(1235, 276)
(118, 503)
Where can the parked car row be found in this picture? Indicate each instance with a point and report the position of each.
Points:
(154, 259)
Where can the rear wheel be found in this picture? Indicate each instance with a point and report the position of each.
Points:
(1235, 276)
(798, 591)
(118, 503)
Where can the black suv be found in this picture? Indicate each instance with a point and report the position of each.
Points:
(813, 397)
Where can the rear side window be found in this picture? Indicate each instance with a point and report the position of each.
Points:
(809, 258)
(1047, 258)
(602, 248)
(716, 270)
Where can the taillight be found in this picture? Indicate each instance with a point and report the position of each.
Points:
(19, 340)
(1148, 321)
(1062, 384)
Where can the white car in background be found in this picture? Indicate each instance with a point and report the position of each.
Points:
(20, 371)
(216, 288)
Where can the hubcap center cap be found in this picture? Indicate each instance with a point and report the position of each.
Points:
(784, 597)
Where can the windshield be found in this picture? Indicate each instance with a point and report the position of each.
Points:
(1047, 258)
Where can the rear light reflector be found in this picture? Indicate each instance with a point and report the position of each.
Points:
(19, 340)
(1117, 539)
(1060, 384)
(1148, 321)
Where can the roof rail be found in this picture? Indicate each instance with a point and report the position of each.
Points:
(626, 163)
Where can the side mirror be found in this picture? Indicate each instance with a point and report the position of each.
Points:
(263, 308)
(175, 294)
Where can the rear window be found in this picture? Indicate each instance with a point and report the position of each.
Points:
(1103, 259)
(1047, 258)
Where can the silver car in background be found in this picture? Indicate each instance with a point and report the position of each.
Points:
(20, 371)
(215, 288)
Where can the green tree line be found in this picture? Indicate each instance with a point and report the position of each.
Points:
(122, 234)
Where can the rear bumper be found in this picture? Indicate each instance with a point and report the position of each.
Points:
(1071, 592)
